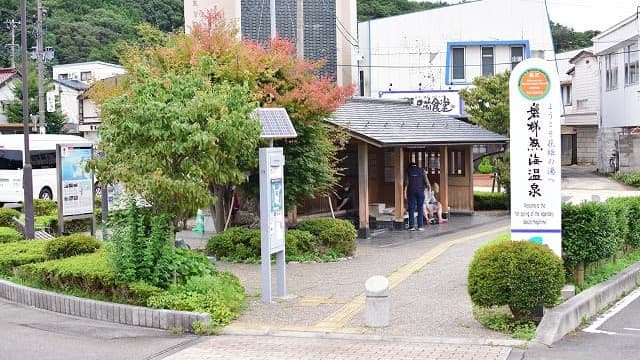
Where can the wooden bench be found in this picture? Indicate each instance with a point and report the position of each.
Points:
(38, 234)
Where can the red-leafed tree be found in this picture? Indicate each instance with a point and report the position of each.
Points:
(274, 76)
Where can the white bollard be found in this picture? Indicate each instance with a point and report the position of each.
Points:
(376, 307)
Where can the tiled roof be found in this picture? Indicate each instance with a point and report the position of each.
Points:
(7, 74)
(397, 122)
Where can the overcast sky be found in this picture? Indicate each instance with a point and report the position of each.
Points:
(584, 15)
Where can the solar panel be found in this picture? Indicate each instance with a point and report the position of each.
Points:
(275, 123)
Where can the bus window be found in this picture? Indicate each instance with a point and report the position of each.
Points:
(43, 159)
(10, 160)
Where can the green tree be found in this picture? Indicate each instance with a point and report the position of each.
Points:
(373, 9)
(53, 120)
(487, 102)
(566, 39)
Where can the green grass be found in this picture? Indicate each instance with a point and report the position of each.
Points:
(499, 318)
(607, 269)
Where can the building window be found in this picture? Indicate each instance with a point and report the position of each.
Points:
(63, 76)
(456, 163)
(611, 71)
(373, 164)
(517, 55)
(631, 65)
(487, 61)
(457, 60)
(566, 94)
(85, 76)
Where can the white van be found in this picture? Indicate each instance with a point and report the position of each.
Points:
(43, 160)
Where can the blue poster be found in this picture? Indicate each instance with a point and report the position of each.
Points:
(77, 184)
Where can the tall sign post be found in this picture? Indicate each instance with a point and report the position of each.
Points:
(275, 125)
(535, 105)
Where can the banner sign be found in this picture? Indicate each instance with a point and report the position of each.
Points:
(535, 105)
(76, 185)
(446, 102)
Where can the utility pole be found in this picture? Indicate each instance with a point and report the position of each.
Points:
(300, 28)
(40, 60)
(12, 24)
(27, 178)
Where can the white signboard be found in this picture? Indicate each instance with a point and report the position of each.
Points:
(51, 101)
(446, 102)
(535, 105)
(76, 185)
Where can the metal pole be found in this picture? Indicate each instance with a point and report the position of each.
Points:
(27, 178)
(40, 54)
(300, 29)
(272, 12)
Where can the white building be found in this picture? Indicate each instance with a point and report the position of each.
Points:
(580, 87)
(86, 72)
(9, 79)
(429, 55)
(330, 28)
(617, 52)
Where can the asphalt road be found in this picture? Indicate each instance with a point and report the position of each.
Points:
(611, 337)
(28, 333)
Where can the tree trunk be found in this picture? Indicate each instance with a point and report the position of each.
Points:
(217, 209)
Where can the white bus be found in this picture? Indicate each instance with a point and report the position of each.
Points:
(43, 161)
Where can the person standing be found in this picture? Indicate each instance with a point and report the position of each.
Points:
(415, 184)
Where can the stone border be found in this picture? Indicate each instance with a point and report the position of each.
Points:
(101, 310)
(566, 317)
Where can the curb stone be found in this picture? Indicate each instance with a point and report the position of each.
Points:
(101, 310)
(566, 317)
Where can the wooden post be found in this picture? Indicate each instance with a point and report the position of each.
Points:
(398, 169)
(444, 180)
(363, 190)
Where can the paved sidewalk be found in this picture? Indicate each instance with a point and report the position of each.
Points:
(581, 183)
(312, 348)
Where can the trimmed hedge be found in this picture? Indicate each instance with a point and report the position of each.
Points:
(334, 234)
(43, 207)
(484, 200)
(19, 253)
(235, 243)
(9, 234)
(632, 205)
(6, 215)
(72, 245)
(589, 232)
(519, 274)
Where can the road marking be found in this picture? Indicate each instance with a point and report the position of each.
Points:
(593, 328)
(345, 314)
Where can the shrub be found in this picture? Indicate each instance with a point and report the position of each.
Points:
(633, 218)
(189, 264)
(335, 234)
(620, 209)
(503, 169)
(519, 274)
(47, 221)
(9, 234)
(485, 166)
(42, 207)
(588, 232)
(483, 200)
(19, 253)
(298, 243)
(72, 245)
(220, 295)
(141, 246)
(235, 243)
(632, 179)
(6, 215)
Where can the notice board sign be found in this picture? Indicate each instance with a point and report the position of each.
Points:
(75, 184)
(535, 105)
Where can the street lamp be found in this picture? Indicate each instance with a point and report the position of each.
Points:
(27, 179)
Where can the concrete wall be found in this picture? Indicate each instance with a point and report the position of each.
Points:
(6, 96)
(587, 144)
(606, 143)
(629, 147)
(68, 98)
(410, 49)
